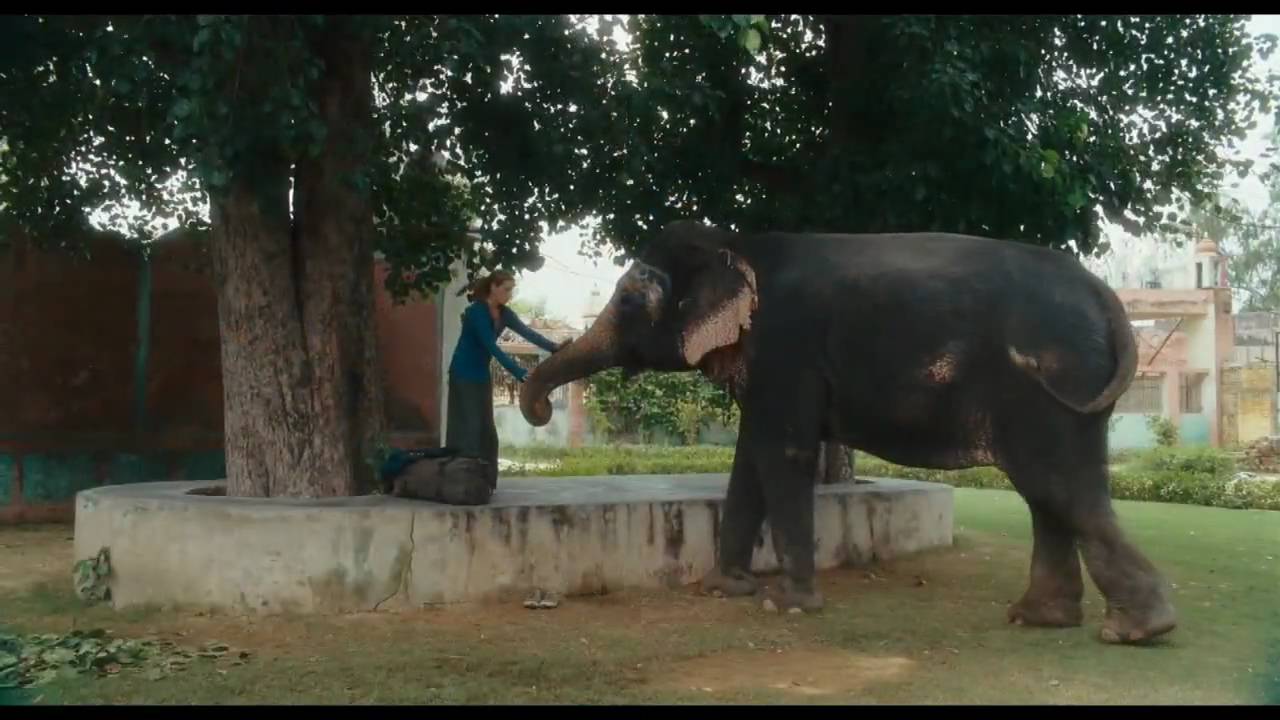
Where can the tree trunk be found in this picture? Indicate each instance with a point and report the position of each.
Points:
(847, 46)
(302, 396)
(835, 464)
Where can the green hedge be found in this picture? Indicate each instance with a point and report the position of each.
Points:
(1189, 476)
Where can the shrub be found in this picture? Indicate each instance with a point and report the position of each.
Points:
(655, 404)
(690, 418)
(1197, 461)
(1163, 428)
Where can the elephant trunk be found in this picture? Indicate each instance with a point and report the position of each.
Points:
(589, 354)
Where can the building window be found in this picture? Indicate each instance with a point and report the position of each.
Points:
(1144, 396)
(1190, 392)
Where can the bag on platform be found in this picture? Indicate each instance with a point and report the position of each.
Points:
(437, 475)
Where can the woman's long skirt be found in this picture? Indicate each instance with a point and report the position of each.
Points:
(471, 431)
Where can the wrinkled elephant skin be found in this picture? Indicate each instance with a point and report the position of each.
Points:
(929, 350)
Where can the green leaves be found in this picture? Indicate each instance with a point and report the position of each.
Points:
(35, 660)
(650, 404)
(1031, 127)
(1049, 160)
(748, 30)
(1026, 127)
(201, 39)
(92, 577)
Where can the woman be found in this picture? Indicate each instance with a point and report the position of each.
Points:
(471, 431)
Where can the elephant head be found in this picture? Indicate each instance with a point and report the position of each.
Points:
(684, 304)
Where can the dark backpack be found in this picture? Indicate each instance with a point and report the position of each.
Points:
(438, 475)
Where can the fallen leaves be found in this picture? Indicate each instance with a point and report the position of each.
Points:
(35, 660)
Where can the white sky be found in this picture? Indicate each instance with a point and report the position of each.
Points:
(567, 277)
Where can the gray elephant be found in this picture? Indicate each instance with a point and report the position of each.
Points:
(927, 349)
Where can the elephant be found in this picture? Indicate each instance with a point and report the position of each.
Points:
(933, 350)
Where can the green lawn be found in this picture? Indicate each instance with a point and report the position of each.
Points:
(926, 629)
(1189, 475)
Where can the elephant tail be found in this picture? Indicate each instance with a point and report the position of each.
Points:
(1126, 350)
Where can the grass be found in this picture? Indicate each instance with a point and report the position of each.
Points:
(924, 629)
(619, 460)
(1192, 476)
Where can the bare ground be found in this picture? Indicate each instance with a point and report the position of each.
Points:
(925, 629)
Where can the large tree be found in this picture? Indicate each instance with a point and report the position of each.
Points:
(317, 138)
(313, 138)
(1254, 257)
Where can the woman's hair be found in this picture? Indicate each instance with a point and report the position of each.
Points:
(480, 288)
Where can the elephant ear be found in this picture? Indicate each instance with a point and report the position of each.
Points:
(719, 307)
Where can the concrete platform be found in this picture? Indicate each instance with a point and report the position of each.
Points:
(583, 535)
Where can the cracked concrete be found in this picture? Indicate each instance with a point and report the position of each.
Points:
(871, 533)
(406, 572)
(564, 535)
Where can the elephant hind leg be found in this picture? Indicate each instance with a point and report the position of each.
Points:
(1138, 605)
(1071, 509)
(1056, 588)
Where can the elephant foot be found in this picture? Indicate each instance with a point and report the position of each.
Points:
(734, 583)
(793, 598)
(1127, 626)
(1038, 612)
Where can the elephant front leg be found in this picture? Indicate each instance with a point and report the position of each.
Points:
(739, 526)
(780, 436)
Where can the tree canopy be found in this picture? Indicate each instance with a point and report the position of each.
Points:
(314, 139)
(162, 110)
(1027, 127)
(1254, 257)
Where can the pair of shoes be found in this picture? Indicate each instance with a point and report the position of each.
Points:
(541, 600)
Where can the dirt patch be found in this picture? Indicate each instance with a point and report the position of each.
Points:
(34, 555)
(803, 671)
(283, 635)
(633, 609)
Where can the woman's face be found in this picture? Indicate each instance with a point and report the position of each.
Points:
(501, 293)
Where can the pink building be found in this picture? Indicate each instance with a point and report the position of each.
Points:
(1183, 348)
